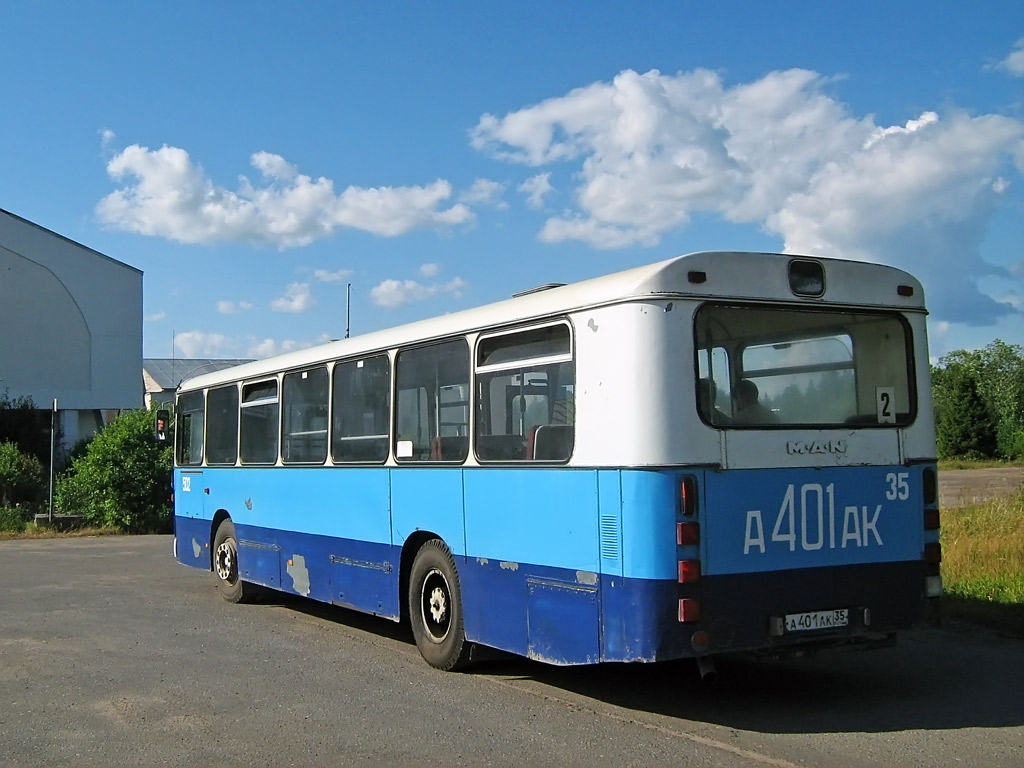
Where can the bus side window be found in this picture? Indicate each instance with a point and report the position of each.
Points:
(304, 423)
(432, 419)
(190, 429)
(222, 425)
(525, 385)
(362, 409)
(259, 423)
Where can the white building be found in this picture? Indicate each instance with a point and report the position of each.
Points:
(70, 326)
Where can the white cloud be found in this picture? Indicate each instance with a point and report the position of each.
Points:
(234, 307)
(485, 192)
(430, 270)
(200, 344)
(395, 293)
(536, 188)
(1014, 62)
(263, 348)
(156, 317)
(652, 150)
(165, 194)
(337, 276)
(297, 298)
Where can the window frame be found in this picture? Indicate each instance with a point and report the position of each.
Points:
(734, 354)
(389, 410)
(262, 402)
(522, 366)
(463, 342)
(283, 406)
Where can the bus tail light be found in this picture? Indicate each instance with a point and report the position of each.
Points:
(688, 497)
(687, 534)
(689, 571)
(931, 519)
(689, 609)
(933, 552)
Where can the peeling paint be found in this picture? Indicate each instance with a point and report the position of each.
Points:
(483, 560)
(586, 577)
(197, 549)
(592, 325)
(300, 574)
(509, 566)
(669, 306)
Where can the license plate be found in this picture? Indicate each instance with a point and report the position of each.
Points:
(807, 622)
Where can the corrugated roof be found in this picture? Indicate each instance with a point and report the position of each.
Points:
(168, 372)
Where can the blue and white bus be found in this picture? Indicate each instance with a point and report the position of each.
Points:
(720, 452)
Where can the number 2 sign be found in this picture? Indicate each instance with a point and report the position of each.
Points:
(885, 405)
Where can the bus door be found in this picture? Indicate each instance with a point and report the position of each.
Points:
(189, 504)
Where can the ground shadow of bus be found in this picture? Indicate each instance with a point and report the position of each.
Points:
(933, 679)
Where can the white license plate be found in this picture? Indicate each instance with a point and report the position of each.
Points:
(806, 622)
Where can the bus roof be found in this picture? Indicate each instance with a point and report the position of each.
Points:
(727, 275)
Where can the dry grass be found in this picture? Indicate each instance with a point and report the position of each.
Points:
(983, 562)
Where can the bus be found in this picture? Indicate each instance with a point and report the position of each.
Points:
(722, 452)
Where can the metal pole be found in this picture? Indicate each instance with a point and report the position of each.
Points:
(53, 451)
(348, 310)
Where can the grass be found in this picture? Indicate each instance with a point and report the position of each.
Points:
(20, 524)
(983, 563)
(976, 464)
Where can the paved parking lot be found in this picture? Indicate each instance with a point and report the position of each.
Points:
(112, 654)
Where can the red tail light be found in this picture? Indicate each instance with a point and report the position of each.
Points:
(688, 497)
(689, 571)
(689, 609)
(931, 519)
(933, 552)
(687, 534)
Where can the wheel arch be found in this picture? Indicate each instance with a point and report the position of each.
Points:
(411, 546)
(218, 518)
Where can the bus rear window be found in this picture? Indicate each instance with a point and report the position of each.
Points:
(779, 367)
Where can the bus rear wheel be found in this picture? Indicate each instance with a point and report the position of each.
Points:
(435, 608)
(225, 564)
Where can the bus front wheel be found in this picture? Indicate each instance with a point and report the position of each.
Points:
(225, 564)
(435, 607)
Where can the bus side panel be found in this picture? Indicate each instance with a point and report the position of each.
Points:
(324, 533)
(516, 520)
(192, 541)
(428, 499)
(639, 621)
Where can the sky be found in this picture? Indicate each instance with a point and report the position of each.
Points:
(255, 159)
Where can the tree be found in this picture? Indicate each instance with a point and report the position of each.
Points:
(22, 423)
(966, 427)
(123, 480)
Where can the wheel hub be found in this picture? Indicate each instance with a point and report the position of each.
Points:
(438, 604)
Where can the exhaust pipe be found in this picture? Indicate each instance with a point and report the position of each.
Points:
(706, 668)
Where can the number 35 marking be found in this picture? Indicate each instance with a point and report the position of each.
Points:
(899, 488)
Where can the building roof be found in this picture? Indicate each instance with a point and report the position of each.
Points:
(164, 373)
(50, 232)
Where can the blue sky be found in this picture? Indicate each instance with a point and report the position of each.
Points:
(252, 158)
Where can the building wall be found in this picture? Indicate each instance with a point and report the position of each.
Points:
(70, 321)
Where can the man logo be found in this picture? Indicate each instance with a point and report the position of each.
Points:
(803, 447)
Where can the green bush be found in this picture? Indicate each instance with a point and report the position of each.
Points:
(22, 479)
(123, 480)
(14, 519)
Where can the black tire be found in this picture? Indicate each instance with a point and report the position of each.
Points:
(435, 607)
(225, 564)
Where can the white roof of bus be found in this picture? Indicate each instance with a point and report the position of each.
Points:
(730, 275)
